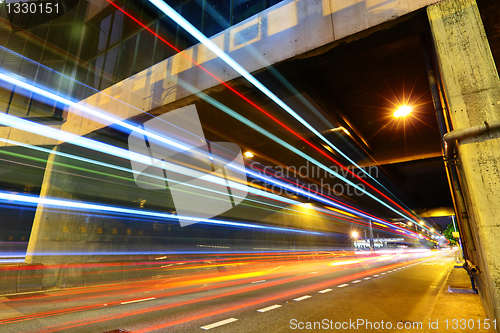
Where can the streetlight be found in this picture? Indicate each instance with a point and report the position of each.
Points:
(249, 154)
(403, 111)
(354, 235)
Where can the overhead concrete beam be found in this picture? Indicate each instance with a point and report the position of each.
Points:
(435, 212)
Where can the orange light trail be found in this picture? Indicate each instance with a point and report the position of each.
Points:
(230, 279)
(321, 285)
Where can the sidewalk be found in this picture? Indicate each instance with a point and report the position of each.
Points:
(457, 308)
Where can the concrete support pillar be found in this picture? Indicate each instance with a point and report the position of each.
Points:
(39, 230)
(67, 234)
(472, 88)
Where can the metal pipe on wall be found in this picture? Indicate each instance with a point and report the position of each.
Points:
(455, 187)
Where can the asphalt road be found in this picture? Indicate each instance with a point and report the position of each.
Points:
(347, 292)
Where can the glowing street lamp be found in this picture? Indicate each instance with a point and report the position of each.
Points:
(354, 235)
(403, 111)
(249, 154)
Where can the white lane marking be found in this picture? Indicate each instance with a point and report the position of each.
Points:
(389, 271)
(139, 300)
(259, 281)
(367, 278)
(301, 298)
(272, 307)
(356, 281)
(219, 323)
(314, 273)
(272, 269)
(342, 285)
(383, 273)
(376, 275)
(325, 291)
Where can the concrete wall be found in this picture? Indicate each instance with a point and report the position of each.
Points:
(472, 88)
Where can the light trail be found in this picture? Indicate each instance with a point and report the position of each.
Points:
(261, 130)
(237, 67)
(274, 208)
(266, 113)
(58, 203)
(74, 139)
(177, 50)
(291, 88)
(112, 119)
(181, 21)
(274, 297)
(28, 126)
(293, 202)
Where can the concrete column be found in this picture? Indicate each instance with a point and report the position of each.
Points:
(472, 88)
(67, 234)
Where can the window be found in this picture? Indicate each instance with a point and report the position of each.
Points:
(126, 63)
(167, 29)
(145, 54)
(217, 16)
(117, 29)
(243, 9)
(103, 34)
(109, 68)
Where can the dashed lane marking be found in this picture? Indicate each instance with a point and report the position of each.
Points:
(219, 323)
(269, 308)
(301, 298)
(139, 300)
(324, 291)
